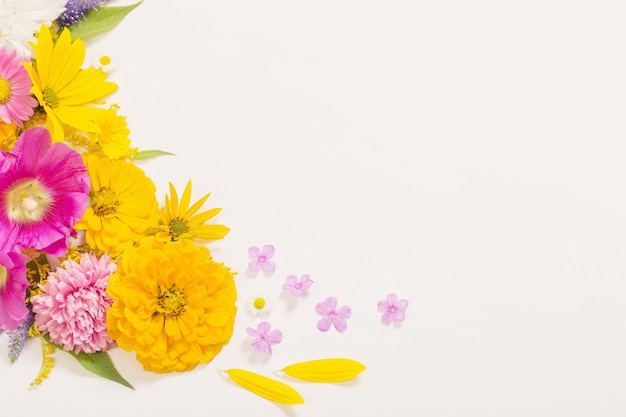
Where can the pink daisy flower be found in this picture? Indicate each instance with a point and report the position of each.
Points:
(392, 309)
(16, 101)
(295, 286)
(332, 315)
(264, 338)
(44, 190)
(261, 258)
(72, 307)
(13, 285)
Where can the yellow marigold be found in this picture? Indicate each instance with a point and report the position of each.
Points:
(173, 305)
(179, 221)
(122, 204)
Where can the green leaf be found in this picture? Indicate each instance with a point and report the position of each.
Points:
(99, 363)
(143, 155)
(100, 20)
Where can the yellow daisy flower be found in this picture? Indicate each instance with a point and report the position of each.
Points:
(66, 91)
(122, 206)
(179, 221)
(173, 305)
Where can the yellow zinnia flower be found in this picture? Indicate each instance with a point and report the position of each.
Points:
(179, 221)
(122, 204)
(173, 305)
(66, 91)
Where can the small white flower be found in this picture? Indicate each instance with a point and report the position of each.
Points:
(258, 306)
(19, 19)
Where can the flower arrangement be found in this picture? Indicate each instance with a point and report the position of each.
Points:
(90, 260)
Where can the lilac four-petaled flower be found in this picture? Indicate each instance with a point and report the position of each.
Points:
(295, 286)
(392, 309)
(332, 315)
(264, 338)
(261, 258)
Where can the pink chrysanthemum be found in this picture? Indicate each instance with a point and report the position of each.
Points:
(16, 101)
(72, 307)
(13, 285)
(44, 190)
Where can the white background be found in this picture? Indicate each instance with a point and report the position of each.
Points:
(467, 155)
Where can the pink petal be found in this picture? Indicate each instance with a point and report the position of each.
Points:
(254, 252)
(340, 324)
(252, 332)
(326, 307)
(275, 336)
(392, 299)
(344, 312)
(402, 305)
(306, 282)
(268, 266)
(292, 279)
(324, 324)
(261, 345)
(263, 328)
(386, 317)
(268, 251)
(254, 265)
(383, 306)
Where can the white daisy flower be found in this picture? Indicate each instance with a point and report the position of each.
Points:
(20, 19)
(258, 306)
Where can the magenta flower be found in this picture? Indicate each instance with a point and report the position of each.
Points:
(44, 190)
(73, 305)
(13, 285)
(261, 258)
(332, 315)
(392, 309)
(264, 338)
(16, 101)
(295, 286)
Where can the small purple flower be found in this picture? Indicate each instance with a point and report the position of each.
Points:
(261, 258)
(264, 338)
(332, 315)
(296, 287)
(18, 337)
(392, 309)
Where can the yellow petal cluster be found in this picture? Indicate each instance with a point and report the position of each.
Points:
(173, 305)
(122, 206)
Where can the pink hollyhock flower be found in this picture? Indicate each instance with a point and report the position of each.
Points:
(16, 101)
(392, 309)
(44, 190)
(295, 286)
(72, 307)
(332, 315)
(261, 258)
(13, 285)
(264, 338)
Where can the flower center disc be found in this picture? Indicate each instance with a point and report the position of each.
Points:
(5, 90)
(259, 303)
(171, 302)
(105, 202)
(50, 97)
(27, 201)
(177, 228)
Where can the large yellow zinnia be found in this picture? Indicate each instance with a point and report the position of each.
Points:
(122, 207)
(65, 91)
(173, 305)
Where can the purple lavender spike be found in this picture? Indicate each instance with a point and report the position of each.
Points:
(75, 11)
(17, 337)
